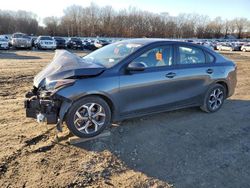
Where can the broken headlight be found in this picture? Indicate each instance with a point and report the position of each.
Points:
(57, 84)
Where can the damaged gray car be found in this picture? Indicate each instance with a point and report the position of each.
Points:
(128, 79)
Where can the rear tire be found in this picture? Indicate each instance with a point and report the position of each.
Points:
(214, 98)
(88, 117)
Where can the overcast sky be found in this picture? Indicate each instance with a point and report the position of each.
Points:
(227, 9)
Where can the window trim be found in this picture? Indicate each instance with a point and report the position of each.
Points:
(208, 53)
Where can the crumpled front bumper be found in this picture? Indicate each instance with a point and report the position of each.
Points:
(44, 110)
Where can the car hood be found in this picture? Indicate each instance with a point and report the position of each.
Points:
(67, 65)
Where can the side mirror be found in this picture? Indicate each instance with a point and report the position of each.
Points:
(136, 66)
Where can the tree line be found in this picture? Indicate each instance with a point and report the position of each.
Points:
(95, 21)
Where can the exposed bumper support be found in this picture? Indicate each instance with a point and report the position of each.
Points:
(36, 108)
(51, 110)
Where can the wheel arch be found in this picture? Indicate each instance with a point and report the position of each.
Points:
(225, 85)
(107, 99)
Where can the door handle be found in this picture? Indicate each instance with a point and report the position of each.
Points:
(210, 71)
(170, 75)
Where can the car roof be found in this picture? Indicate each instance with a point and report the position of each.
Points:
(148, 41)
(145, 41)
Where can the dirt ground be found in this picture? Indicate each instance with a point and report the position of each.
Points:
(184, 148)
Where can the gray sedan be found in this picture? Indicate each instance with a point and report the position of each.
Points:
(128, 79)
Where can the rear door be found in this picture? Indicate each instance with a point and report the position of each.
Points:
(194, 74)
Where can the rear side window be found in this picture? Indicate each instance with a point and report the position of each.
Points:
(210, 58)
(191, 55)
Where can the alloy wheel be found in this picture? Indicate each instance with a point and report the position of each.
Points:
(89, 118)
(216, 99)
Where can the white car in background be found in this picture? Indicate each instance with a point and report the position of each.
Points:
(45, 43)
(21, 40)
(4, 43)
(245, 48)
(227, 47)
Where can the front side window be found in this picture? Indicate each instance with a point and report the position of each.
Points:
(157, 57)
(191, 55)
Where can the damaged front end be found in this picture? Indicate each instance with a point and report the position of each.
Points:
(42, 102)
(45, 106)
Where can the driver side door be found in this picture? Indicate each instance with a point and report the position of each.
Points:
(150, 90)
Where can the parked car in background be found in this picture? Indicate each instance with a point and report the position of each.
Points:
(104, 42)
(127, 79)
(60, 42)
(245, 48)
(4, 43)
(5, 37)
(92, 44)
(75, 43)
(21, 40)
(45, 43)
(237, 46)
(227, 47)
(33, 39)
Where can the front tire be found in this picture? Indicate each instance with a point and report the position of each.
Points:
(214, 99)
(88, 117)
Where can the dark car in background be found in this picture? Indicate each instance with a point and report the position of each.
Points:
(60, 42)
(33, 41)
(75, 43)
(92, 45)
(104, 42)
(127, 79)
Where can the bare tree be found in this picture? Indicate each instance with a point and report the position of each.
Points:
(131, 22)
(51, 25)
(241, 26)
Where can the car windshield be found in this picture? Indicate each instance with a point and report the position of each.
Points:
(46, 38)
(112, 54)
(18, 35)
(3, 39)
